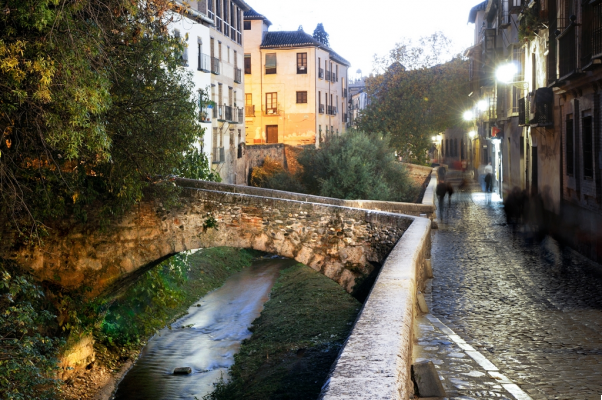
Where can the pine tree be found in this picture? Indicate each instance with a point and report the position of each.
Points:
(320, 35)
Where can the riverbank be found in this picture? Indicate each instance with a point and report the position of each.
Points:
(157, 299)
(295, 341)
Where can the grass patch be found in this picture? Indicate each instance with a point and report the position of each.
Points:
(295, 340)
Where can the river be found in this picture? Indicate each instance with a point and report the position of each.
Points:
(205, 340)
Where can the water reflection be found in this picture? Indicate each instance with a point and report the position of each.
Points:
(205, 340)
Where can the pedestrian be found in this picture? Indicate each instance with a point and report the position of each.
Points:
(488, 178)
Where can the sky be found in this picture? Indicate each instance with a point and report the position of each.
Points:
(360, 28)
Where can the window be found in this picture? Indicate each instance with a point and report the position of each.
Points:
(247, 25)
(302, 63)
(271, 103)
(247, 64)
(270, 63)
(301, 97)
(570, 149)
(248, 99)
(588, 147)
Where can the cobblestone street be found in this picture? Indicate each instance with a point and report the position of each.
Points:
(530, 307)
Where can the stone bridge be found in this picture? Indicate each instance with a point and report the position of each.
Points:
(329, 235)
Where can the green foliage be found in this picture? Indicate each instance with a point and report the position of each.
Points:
(148, 304)
(28, 349)
(530, 23)
(320, 35)
(295, 340)
(93, 105)
(165, 292)
(196, 166)
(417, 96)
(354, 166)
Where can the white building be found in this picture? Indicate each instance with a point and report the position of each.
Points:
(193, 28)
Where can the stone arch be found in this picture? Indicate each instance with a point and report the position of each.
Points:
(342, 243)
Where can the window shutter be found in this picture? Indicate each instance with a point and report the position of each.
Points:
(270, 60)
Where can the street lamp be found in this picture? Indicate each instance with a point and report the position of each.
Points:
(506, 74)
(468, 115)
(472, 134)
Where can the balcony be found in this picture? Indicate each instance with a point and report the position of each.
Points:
(567, 53)
(272, 111)
(328, 75)
(321, 73)
(204, 63)
(591, 36)
(237, 75)
(214, 66)
(321, 108)
(345, 92)
(334, 77)
(219, 155)
(228, 114)
(544, 107)
(345, 119)
(250, 111)
(241, 115)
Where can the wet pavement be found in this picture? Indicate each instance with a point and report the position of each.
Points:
(530, 307)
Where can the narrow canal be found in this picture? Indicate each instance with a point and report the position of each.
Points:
(205, 340)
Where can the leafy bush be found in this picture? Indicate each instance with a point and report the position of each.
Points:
(27, 349)
(147, 305)
(354, 166)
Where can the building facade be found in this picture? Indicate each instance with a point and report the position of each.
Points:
(536, 79)
(220, 54)
(295, 87)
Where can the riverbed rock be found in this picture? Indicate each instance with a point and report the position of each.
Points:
(182, 371)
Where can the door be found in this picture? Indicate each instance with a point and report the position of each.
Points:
(272, 133)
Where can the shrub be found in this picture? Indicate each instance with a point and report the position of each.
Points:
(27, 350)
(354, 166)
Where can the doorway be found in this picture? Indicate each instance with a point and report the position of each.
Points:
(272, 133)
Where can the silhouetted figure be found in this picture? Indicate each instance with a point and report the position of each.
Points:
(444, 188)
(488, 178)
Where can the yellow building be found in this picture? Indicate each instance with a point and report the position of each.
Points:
(295, 87)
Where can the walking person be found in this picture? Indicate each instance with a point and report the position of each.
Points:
(488, 178)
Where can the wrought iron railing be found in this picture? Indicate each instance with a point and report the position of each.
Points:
(204, 63)
(567, 52)
(250, 111)
(328, 75)
(241, 115)
(237, 75)
(345, 92)
(321, 108)
(215, 66)
(228, 113)
(321, 73)
(334, 77)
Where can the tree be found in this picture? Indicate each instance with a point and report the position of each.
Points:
(416, 95)
(93, 106)
(320, 35)
(355, 166)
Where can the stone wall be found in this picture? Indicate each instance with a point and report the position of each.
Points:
(386, 206)
(341, 242)
(257, 153)
(376, 360)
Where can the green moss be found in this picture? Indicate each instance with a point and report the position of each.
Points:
(295, 340)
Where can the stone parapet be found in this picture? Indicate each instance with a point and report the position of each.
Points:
(385, 206)
(376, 359)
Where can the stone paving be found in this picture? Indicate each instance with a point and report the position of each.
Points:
(533, 308)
